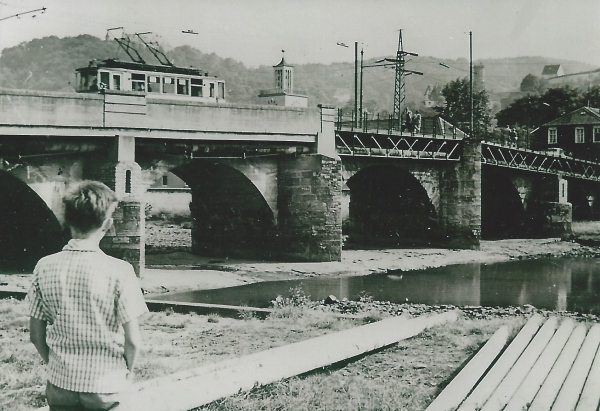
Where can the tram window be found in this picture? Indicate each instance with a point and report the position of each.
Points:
(222, 90)
(169, 85)
(196, 87)
(212, 89)
(116, 82)
(104, 80)
(93, 83)
(153, 84)
(138, 82)
(182, 86)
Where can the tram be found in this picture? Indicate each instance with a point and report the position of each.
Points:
(156, 81)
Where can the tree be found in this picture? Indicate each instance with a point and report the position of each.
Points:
(591, 98)
(532, 111)
(533, 84)
(458, 107)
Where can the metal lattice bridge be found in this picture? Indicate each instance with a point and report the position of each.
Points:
(442, 141)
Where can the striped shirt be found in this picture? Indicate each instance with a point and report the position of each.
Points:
(85, 296)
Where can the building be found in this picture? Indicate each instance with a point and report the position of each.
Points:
(576, 133)
(169, 196)
(433, 97)
(553, 70)
(284, 93)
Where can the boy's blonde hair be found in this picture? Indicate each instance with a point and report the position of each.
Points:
(87, 204)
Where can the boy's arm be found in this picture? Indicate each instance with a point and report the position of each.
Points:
(37, 335)
(133, 343)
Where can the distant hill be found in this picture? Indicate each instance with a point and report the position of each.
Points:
(49, 64)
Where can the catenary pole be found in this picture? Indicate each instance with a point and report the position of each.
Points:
(471, 83)
(355, 84)
(360, 110)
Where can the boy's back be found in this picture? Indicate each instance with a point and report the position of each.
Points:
(87, 296)
(84, 309)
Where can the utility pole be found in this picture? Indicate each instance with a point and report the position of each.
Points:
(471, 131)
(355, 116)
(401, 72)
(360, 110)
(399, 83)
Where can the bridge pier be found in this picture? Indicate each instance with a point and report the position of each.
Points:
(122, 174)
(310, 211)
(460, 199)
(550, 212)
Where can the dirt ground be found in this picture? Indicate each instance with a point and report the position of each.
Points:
(180, 271)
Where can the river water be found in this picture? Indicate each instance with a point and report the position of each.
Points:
(571, 284)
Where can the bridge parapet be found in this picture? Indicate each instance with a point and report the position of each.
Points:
(138, 111)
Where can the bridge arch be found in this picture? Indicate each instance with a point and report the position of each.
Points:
(29, 230)
(503, 205)
(390, 205)
(231, 216)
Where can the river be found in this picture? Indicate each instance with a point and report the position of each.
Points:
(570, 284)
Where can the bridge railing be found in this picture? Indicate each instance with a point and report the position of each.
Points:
(386, 124)
(516, 138)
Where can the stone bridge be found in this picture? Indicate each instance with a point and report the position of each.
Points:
(267, 182)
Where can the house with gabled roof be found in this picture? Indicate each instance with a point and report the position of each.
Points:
(577, 133)
(553, 70)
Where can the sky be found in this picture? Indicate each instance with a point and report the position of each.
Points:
(256, 31)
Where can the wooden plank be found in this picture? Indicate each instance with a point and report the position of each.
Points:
(571, 389)
(590, 396)
(463, 383)
(534, 380)
(229, 377)
(519, 371)
(547, 394)
(492, 379)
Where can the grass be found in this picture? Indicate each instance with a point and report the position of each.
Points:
(406, 376)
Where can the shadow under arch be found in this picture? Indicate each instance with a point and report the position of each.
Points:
(389, 207)
(230, 215)
(29, 230)
(502, 213)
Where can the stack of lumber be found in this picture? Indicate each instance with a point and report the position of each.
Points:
(548, 366)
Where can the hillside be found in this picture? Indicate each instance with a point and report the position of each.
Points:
(49, 64)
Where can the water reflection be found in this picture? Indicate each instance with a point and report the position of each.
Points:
(557, 284)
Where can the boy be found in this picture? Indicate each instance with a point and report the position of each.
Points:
(91, 303)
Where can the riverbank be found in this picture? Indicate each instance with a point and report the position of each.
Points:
(406, 375)
(181, 271)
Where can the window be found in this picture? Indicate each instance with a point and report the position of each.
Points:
(183, 86)
(128, 181)
(552, 135)
(596, 134)
(212, 89)
(104, 80)
(153, 84)
(116, 82)
(579, 135)
(222, 90)
(138, 81)
(169, 85)
(165, 180)
(196, 87)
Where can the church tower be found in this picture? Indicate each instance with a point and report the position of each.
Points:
(284, 76)
(283, 94)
